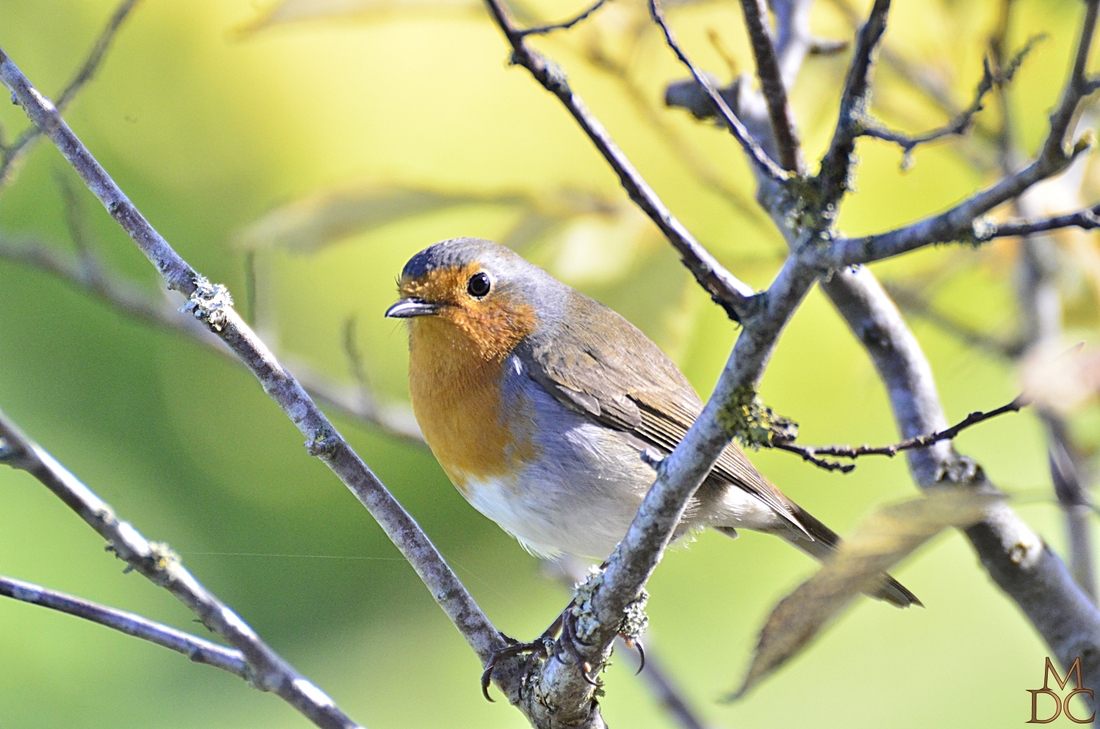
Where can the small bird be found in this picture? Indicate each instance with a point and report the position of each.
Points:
(538, 401)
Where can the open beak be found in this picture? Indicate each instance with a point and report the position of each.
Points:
(410, 307)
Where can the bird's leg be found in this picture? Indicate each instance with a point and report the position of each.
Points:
(572, 624)
(541, 647)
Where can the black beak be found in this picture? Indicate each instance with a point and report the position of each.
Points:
(408, 308)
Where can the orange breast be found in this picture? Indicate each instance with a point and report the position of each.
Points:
(456, 398)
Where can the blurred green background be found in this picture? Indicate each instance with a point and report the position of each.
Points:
(209, 128)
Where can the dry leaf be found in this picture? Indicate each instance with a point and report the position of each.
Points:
(1061, 381)
(328, 217)
(888, 536)
(325, 218)
(599, 248)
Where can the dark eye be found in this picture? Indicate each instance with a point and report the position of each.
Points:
(478, 285)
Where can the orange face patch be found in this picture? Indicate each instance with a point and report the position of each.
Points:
(491, 327)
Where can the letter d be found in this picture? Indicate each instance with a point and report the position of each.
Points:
(1035, 705)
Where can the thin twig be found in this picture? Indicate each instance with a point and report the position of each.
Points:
(266, 669)
(355, 362)
(735, 296)
(564, 25)
(1087, 219)
(698, 163)
(920, 77)
(814, 453)
(964, 120)
(11, 154)
(762, 164)
(213, 306)
(833, 177)
(771, 83)
(74, 221)
(195, 648)
(828, 47)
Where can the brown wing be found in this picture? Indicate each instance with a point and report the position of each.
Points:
(630, 385)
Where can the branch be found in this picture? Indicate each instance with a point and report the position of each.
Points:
(570, 572)
(267, 670)
(771, 82)
(794, 40)
(1015, 557)
(564, 25)
(762, 164)
(1077, 87)
(813, 453)
(1066, 471)
(1087, 219)
(197, 649)
(1041, 308)
(964, 120)
(921, 77)
(961, 223)
(11, 154)
(735, 296)
(213, 306)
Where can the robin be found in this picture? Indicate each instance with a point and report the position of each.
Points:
(538, 401)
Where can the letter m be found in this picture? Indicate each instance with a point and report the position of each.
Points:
(1051, 670)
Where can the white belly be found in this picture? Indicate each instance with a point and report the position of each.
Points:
(585, 513)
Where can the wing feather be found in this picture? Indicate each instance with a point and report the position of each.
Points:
(657, 406)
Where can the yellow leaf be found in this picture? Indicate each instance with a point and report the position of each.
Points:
(887, 537)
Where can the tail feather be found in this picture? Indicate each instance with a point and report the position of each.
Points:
(825, 542)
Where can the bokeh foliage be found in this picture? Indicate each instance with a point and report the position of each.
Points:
(210, 128)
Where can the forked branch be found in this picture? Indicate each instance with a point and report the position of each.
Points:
(814, 454)
(157, 562)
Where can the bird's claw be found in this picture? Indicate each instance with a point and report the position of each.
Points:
(541, 647)
(568, 643)
(636, 644)
(545, 646)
